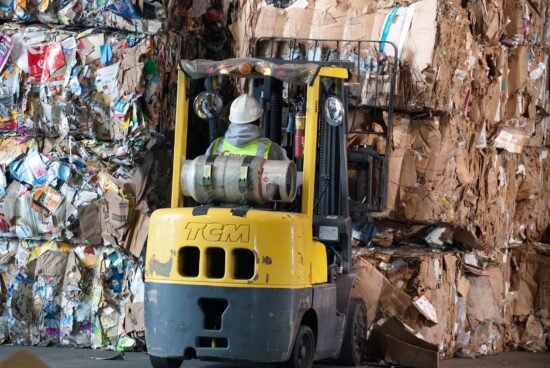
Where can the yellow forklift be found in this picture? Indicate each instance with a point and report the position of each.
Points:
(252, 262)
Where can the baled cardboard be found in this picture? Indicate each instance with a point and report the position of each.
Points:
(419, 47)
(242, 27)
(543, 288)
(463, 286)
(530, 278)
(547, 32)
(518, 69)
(488, 19)
(525, 22)
(427, 178)
(400, 142)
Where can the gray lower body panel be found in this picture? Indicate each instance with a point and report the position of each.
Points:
(223, 323)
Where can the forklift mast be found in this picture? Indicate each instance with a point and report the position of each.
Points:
(334, 205)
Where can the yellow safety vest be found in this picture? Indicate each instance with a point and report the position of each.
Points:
(258, 147)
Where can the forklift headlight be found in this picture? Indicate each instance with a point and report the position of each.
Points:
(334, 111)
(207, 105)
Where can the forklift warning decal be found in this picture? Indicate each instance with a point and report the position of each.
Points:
(228, 233)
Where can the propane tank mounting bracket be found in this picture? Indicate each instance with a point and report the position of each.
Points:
(243, 178)
(240, 212)
(207, 174)
(201, 210)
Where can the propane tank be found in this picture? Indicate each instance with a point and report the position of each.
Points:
(299, 135)
(238, 180)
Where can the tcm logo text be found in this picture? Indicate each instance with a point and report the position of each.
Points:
(228, 233)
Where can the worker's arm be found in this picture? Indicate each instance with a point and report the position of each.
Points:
(209, 150)
(277, 152)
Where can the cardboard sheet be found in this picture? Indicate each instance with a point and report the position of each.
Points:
(23, 359)
(135, 241)
(380, 296)
(519, 72)
(52, 264)
(114, 214)
(90, 223)
(399, 345)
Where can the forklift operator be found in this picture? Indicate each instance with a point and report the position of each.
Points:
(243, 136)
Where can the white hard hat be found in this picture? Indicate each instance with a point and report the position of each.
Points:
(245, 109)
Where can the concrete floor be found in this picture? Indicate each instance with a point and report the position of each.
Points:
(84, 358)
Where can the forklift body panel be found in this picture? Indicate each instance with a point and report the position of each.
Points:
(262, 249)
(266, 298)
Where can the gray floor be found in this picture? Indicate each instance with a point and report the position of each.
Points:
(84, 358)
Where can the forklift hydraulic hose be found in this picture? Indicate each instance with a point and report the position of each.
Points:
(238, 180)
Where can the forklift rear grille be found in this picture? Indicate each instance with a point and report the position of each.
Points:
(243, 264)
(240, 263)
(188, 261)
(215, 263)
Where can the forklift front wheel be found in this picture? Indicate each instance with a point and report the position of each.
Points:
(158, 362)
(355, 336)
(303, 351)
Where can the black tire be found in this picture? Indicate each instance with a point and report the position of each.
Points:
(355, 335)
(303, 352)
(158, 362)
